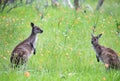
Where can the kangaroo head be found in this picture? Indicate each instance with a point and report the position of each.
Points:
(95, 39)
(35, 29)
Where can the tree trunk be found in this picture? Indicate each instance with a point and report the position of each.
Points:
(4, 4)
(29, 1)
(54, 3)
(100, 3)
(76, 4)
(21, 1)
(68, 2)
(0, 4)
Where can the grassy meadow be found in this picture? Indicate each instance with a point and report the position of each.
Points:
(64, 51)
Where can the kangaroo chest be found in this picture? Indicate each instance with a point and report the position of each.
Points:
(34, 42)
(97, 50)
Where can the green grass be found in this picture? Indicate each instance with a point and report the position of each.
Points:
(64, 51)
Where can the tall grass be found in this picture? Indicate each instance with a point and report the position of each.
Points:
(64, 51)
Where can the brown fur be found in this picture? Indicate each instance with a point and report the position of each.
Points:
(107, 55)
(22, 52)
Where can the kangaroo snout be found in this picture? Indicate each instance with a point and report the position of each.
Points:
(91, 42)
(41, 31)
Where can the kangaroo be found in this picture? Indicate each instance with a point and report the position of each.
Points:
(23, 51)
(107, 55)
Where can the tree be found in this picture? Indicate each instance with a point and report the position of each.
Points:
(68, 2)
(54, 3)
(4, 3)
(29, 1)
(76, 4)
(100, 3)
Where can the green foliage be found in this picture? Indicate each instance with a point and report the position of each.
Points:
(64, 51)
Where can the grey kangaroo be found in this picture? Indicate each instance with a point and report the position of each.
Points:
(108, 56)
(22, 52)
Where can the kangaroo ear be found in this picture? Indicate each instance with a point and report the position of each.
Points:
(99, 35)
(32, 24)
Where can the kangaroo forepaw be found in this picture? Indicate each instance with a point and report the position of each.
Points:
(34, 52)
